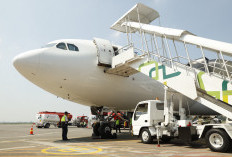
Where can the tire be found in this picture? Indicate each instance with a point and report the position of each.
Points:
(218, 140)
(146, 136)
(105, 131)
(47, 125)
(166, 139)
(114, 136)
(95, 129)
(39, 126)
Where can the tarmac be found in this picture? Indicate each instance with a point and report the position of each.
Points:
(15, 141)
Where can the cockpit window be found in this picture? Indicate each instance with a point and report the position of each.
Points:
(72, 47)
(61, 46)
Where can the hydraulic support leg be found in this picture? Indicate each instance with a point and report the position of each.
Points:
(181, 109)
(166, 106)
(171, 109)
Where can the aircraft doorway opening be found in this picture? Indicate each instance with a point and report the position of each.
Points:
(105, 52)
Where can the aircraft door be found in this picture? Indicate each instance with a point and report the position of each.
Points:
(105, 51)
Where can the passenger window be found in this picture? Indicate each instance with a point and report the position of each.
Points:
(140, 110)
(72, 47)
(61, 46)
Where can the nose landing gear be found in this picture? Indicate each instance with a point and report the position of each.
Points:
(103, 128)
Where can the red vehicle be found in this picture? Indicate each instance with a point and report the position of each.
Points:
(82, 121)
(60, 114)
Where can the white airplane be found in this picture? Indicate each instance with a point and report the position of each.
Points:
(69, 69)
(74, 70)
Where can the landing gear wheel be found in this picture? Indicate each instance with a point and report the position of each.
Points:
(166, 139)
(146, 136)
(218, 140)
(95, 129)
(105, 131)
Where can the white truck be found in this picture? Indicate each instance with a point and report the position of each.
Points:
(45, 120)
(151, 121)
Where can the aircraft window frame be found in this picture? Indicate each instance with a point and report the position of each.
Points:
(76, 48)
(65, 48)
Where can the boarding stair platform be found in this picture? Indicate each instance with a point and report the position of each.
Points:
(121, 63)
(176, 58)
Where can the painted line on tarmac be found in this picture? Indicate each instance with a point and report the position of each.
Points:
(17, 148)
(72, 150)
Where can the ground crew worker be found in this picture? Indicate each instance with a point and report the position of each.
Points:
(125, 124)
(117, 124)
(64, 124)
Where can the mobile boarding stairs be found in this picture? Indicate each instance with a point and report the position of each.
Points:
(169, 56)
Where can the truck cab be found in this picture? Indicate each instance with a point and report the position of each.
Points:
(147, 114)
(152, 119)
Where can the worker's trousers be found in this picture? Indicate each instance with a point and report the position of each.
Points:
(64, 132)
(118, 128)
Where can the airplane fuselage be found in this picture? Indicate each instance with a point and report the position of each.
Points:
(76, 76)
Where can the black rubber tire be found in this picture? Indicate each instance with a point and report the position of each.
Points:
(226, 140)
(166, 139)
(105, 131)
(47, 125)
(149, 139)
(95, 129)
(39, 126)
(114, 136)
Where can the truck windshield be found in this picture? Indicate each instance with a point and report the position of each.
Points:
(140, 110)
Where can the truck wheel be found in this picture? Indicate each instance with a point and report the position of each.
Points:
(146, 136)
(47, 125)
(218, 140)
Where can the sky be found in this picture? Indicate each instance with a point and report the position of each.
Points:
(30, 24)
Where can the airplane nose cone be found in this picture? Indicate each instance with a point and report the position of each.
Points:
(27, 63)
